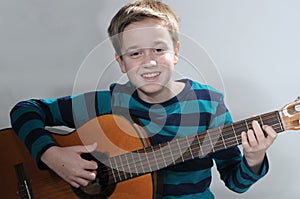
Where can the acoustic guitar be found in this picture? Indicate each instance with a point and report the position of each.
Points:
(127, 162)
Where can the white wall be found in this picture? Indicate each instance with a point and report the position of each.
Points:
(252, 48)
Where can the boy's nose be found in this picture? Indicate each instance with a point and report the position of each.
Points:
(149, 58)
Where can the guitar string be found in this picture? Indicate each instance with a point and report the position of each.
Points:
(179, 153)
(212, 133)
(230, 143)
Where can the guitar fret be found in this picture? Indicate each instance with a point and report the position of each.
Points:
(136, 171)
(189, 146)
(171, 153)
(163, 156)
(247, 125)
(155, 159)
(118, 172)
(147, 159)
(279, 121)
(199, 143)
(123, 168)
(128, 165)
(232, 126)
(222, 137)
(212, 147)
(110, 163)
(181, 154)
(262, 123)
(141, 162)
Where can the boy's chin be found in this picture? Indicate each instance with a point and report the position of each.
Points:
(151, 88)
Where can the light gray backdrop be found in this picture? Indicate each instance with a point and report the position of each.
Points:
(249, 51)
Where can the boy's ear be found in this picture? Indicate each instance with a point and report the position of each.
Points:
(121, 63)
(176, 52)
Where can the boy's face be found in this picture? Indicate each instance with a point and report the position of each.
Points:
(148, 56)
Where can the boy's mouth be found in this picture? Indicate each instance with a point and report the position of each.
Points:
(150, 75)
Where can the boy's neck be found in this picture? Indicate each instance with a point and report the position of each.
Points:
(169, 91)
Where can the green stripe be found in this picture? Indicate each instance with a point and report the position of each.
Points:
(23, 110)
(185, 107)
(220, 120)
(79, 108)
(28, 126)
(207, 194)
(104, 102)
(40, 143)
(55, 111)
(176, 178)
(172, 130)
(227, 162)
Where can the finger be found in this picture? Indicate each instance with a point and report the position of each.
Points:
(74, 184)
(251, 138)
(271, 133)
(90, 165)
(88, 175)
(245, 142)
(86, 148)
(81, 181)
(90, 148)
(258, 131)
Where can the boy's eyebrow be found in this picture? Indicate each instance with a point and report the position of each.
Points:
(157, 42)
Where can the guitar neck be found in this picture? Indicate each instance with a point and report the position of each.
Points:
(182, 149)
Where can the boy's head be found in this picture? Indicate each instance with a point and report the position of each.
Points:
(138, 11)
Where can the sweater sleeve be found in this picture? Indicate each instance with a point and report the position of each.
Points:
(232, 166)
(29, 118)
(235, 172)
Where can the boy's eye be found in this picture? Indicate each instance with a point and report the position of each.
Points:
(135, 54)
(159, 50)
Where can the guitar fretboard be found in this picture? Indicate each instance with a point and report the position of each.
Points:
(153, 158)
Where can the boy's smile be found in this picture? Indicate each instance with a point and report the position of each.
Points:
(148, 58)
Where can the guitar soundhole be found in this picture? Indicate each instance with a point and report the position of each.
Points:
(103, 186)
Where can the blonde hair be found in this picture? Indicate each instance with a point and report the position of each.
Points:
(138, 11)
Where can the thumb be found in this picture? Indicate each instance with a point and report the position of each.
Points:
(86, 148)
(91, 147)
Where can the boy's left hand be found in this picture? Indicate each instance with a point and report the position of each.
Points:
(255, 144)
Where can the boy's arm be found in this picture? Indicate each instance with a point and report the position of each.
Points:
(238, 172)
(29, 118)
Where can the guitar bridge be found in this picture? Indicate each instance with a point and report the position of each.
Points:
(24, 186)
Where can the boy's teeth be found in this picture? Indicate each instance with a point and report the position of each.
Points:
(149, 75)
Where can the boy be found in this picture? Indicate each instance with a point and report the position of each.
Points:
(145, 37)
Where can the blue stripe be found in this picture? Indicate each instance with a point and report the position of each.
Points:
(55, 111)
(186, 188)
(22, 108)
(65, 107)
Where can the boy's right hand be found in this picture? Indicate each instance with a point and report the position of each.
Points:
(69, 165)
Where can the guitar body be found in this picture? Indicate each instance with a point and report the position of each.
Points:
(114, 136)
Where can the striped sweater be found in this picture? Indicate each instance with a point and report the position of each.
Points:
(197, 108)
